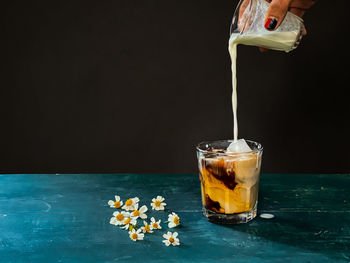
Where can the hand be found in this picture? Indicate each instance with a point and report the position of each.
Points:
(278, 10)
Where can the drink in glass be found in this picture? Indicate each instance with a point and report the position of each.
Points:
(229, 181)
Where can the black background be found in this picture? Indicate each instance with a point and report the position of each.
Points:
(133, 86)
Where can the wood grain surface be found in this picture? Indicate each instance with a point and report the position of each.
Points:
(65, 218)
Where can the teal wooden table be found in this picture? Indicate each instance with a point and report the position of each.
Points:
(65, 218)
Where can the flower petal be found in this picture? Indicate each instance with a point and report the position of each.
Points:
(143, 209)
(167, 242)
(171, 225)
(143, 216)
(111, 202)
(117, 198)
(175, 234)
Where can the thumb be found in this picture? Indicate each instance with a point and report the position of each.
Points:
(276, 13)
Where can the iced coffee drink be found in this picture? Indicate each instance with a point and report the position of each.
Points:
(229, 170)
(229, 181)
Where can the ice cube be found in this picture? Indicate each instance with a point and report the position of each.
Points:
(239, 146)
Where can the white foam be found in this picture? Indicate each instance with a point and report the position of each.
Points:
(239, 146)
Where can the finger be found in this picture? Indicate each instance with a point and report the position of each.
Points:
(304, 32)
(299, 12)
(263, 49)
(242, 9)
(302, 4)
(275, 13)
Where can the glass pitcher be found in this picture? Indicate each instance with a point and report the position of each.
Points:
(248, 24)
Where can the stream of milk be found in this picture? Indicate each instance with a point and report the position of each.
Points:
(274, 40)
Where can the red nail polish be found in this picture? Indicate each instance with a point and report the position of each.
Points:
(270, 23)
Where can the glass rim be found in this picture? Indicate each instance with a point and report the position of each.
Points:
(258, 150)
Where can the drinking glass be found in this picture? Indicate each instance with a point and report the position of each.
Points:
(229, 181)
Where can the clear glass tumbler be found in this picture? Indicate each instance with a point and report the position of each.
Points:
(248, 22)
(229, 181)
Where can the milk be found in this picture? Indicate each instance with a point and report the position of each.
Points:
(282, 41)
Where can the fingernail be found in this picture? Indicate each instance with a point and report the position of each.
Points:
(271, 23)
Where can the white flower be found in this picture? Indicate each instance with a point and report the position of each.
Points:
(171, 239)
(174, 220)
(136, 235)
(139, 212)
(157, 203)
(130, 204)
(128, 222)
(119, 218)
(155, 224)
(146, 228)
(117, 203)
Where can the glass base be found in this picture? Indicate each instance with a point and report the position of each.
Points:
(238, 218)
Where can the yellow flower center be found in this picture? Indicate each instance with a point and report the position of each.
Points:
(171, 240)
(120, 217)
(147, 228)
(136, 213)
(155, 225)
(134, 236)
(116, 204)
(128, 202)
(127, 221)
(157, 203)
(176, 220)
